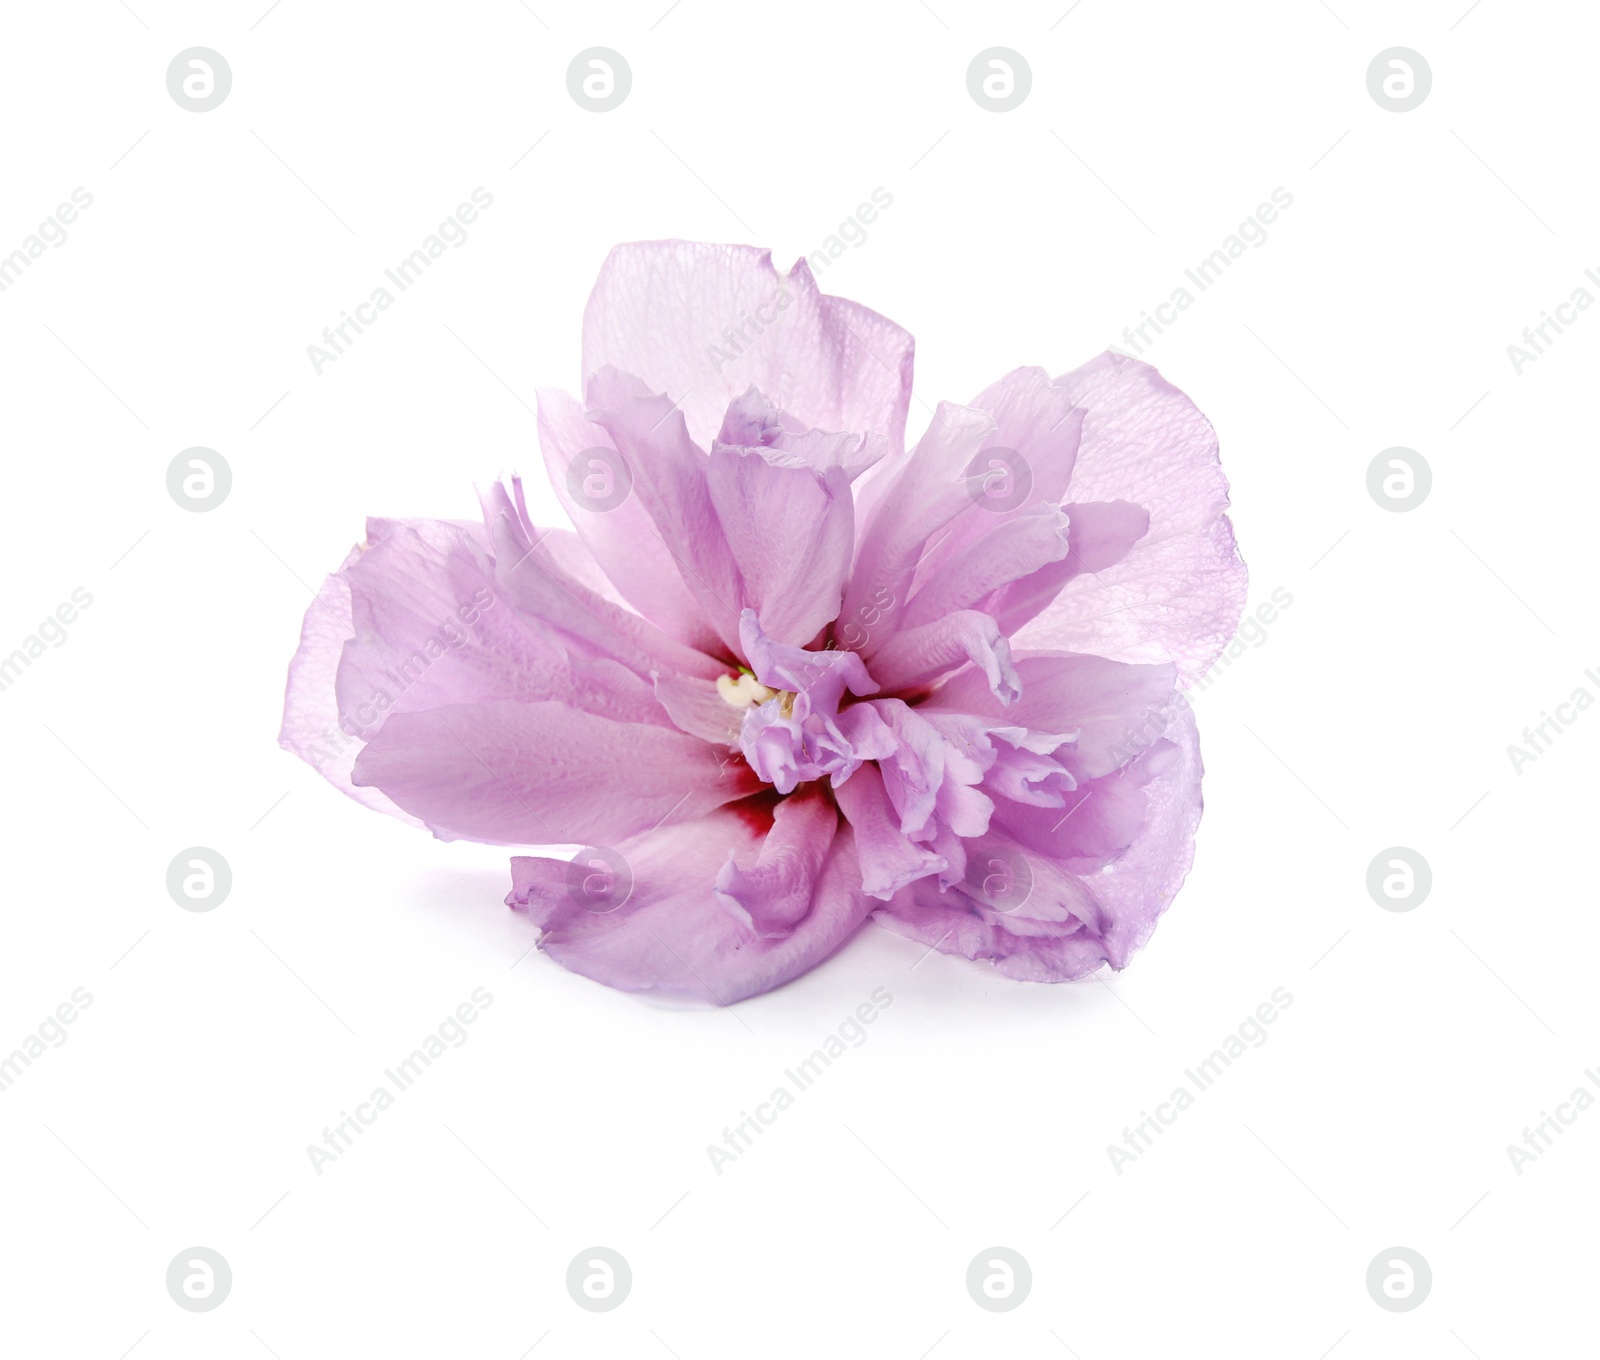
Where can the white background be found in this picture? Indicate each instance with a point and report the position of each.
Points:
(1377, 711)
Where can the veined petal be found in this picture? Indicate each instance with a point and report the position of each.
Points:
(1177, 595)
(614, 523)
(922, 655)
(889, 859)
(1116, 710)
(669, 478)
(543, 773)
(672, 934)
(904, 506)
(791, 531)
(708, 321)
(772, 892)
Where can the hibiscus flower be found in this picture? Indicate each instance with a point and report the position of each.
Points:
(783, 675)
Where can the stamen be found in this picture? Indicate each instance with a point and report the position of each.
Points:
(743, 690)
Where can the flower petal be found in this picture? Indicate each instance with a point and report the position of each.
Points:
(314, 728)
(708, 321)
(792, 533)
(1116, 710)
(528, 576)
(889, 859)
(672, 934)
(1099, 535)
(919, 656)
(428, 630)
(904, 505)
(771, 893)
(1177, 595)
(1071, 922)
(1011, 551)
(621, 536)
(543, 773)
(669, 478)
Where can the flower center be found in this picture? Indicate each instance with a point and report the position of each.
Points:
(744, 690)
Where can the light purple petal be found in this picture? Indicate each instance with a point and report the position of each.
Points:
(919, 656)
(889, 859)
(672, 935)
(1012, 550)
(1177, 596)
(669, 479)
(621, 535)
(530, 579)
(428, 630)
(771, 892)
(1099, 535)
(543, 773)
(904, 505)
(705, 322)
(313, 726)
(1117, 710)
(792, 533)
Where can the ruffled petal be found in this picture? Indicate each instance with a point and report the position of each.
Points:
(528, 576)
(1178, 594)
(791, 531)
(1116, 710)
(672, 935)
(1012, 551)
(314, 728)
(428, 630)
(771, 894)
(900, 510)
(889, 858)
(920, 656)
(1099, 535)
(669, 478)
(705, 322)
(1070, 921)
(613, 522)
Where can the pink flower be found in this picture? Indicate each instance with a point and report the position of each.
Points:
(785, 675)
